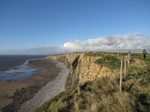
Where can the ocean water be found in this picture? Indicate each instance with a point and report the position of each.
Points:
(15, 66)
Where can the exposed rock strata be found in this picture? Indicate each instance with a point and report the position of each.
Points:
(82, 67)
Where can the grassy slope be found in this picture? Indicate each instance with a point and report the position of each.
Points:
(102, 95)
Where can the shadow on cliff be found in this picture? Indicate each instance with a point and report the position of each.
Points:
(73, 77)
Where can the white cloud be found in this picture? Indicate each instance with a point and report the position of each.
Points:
(131, 41)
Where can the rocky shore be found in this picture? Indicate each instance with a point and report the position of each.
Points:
(25, 89)
(51, 89)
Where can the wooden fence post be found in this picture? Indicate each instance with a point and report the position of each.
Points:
(120, 89)
(125, 67)
(129, 57)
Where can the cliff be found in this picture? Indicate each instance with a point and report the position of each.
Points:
(102, 94)
(83, 67)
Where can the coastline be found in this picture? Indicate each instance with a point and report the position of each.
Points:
(53, 88)
(10, 89)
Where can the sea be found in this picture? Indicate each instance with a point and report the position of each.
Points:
(15, 66)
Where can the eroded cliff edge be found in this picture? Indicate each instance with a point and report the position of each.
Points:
(102, 94)
(82, 67)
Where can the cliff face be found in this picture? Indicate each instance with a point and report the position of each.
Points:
(67, 59)
(103, 94)
(82, 67)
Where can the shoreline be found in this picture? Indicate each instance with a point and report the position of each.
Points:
(18, 72)
(10, 88)
(51, 89)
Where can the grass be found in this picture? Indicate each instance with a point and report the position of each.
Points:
(110, 61)
(140, 56)
(102, 94)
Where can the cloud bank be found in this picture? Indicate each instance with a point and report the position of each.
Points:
(131, 41)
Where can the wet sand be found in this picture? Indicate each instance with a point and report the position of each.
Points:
(46, 72)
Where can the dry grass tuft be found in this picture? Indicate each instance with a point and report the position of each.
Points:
(102, 95)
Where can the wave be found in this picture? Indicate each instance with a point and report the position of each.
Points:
(21, 71)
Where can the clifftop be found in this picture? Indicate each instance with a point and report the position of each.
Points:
(93, 84)
(86, 66)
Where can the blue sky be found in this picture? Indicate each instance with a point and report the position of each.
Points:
(49, 25)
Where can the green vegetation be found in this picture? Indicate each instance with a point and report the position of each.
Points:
(102, 94)
(109, 61)
(140, 56)
(94, 53)
(105, 53)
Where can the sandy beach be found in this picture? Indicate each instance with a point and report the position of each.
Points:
(47, 71)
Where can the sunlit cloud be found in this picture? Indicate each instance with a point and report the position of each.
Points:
(131, 41)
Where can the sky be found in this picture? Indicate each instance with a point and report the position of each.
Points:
(64, 26)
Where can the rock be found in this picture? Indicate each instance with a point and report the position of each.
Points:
(21, 96)
(82, 67)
